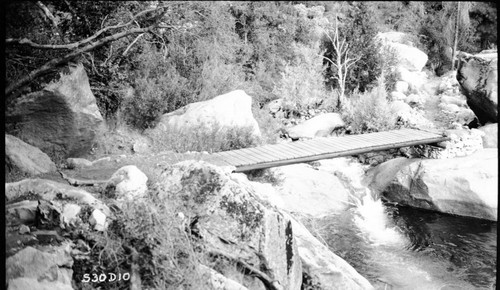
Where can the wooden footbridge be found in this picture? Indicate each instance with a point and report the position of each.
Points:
(321, 148)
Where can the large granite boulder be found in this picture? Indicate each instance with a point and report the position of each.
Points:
(306, 191)
(408, 56)
(232, 220)
(478, 78)
(322, 268)
(27, 158)
(229, 111)
(61, 120)
(466, 186)
(318, 126)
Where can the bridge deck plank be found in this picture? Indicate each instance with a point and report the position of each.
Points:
(322, 148)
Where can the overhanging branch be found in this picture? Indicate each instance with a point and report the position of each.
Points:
(58, 61)
(25, 41)
(89, 45)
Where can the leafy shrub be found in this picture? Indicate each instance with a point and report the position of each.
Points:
(302, 86)
(218, 78)
(206, 137)
(158, 88)
(270, 127)
(369, 111)
(359, 31)
(148, 236)
(389, 61)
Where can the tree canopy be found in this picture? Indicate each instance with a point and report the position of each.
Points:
(171, 53)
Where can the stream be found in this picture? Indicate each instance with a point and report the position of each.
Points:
(403, 248)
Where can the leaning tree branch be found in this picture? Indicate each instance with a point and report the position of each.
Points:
(48, 66)
(25, 41)
(47, 14)
(131, 44)
(61, 60)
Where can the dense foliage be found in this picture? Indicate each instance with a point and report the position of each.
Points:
(202, 49)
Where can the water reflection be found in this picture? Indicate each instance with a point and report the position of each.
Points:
(439, 251)
(468, 244)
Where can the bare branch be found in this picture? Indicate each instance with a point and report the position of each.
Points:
(131, 44)
(47, 14)
(327, 59)
(58, 61)
(104, 20)
(109, 56)
(25, 41)
(74, 45)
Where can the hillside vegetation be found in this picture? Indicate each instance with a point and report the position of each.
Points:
(192, 51)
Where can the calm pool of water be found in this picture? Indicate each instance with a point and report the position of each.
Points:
(404, 248)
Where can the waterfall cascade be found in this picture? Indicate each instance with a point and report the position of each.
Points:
(396, 250)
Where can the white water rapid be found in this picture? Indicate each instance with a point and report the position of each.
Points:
(371, 218)
(385, 248)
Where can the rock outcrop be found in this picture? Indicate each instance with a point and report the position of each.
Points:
(322, 268)
(233, 221)
(229, 111)
(409, 57)
(466, 186)
(22, 212)
(61, 198)
(306, 191)
(32, 268)
(61, 120)
(27, 158)
(478, 78)
(318, 126)
(47, 190)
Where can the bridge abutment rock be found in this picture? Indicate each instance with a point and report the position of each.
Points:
(466, 186)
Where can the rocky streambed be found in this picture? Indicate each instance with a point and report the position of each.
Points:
(425, 221)
(305, 224)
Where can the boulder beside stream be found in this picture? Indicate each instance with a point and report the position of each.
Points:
(465, 186)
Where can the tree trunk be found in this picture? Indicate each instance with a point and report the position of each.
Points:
(455, 40)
